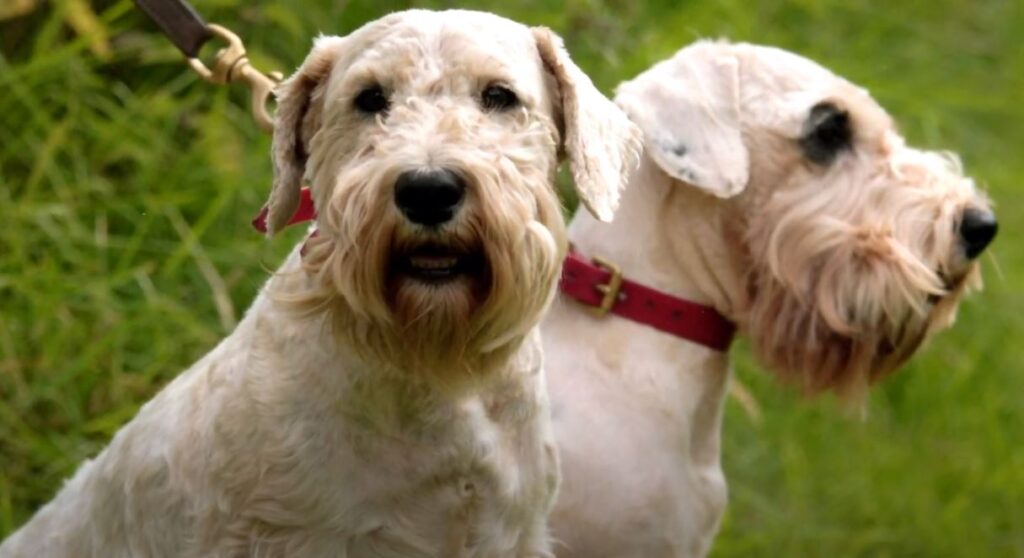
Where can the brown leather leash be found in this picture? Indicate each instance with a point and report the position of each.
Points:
(189, 32)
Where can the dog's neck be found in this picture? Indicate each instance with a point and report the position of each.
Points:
(667, 237)
(661, 229)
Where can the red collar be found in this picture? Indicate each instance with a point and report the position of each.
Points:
(600, 285)
(305, 212)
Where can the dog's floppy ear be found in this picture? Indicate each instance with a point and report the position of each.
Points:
(689, 110)
(299, 107)
(602, 144)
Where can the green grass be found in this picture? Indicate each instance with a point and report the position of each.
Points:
(126, 187)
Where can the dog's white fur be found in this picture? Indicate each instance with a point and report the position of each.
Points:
(357, 412)
(836, 272)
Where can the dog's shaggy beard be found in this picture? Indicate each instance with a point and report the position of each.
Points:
(849, 280)
(453, 331)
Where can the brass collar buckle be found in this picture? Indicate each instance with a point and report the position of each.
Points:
(610, 290)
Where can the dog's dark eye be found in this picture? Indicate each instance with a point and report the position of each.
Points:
(826, 133)
(496, 97)
(372, 100)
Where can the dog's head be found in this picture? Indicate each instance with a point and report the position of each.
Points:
(856, 245)
(431, 141)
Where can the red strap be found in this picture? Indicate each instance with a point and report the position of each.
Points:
(305, 212)
(682, 318)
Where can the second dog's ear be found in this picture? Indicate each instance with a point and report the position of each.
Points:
(689, 109)
(602, 144)
(299, 108)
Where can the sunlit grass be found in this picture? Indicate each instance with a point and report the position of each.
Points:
(126, 187)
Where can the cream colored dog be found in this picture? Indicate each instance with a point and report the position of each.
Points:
(782, 196)
(384, 395)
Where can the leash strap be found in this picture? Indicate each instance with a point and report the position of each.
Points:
(180, 22)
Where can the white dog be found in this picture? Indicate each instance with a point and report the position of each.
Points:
(776, 196)
(384, 394)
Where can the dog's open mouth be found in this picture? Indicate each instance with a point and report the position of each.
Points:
(435, 263)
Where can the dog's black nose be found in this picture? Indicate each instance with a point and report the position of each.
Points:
(977, 229)
(429, 197)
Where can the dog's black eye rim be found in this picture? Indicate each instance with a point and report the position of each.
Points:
(498, 98)
(827, 133)
(372, 100)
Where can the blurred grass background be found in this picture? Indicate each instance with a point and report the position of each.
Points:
(127, 185)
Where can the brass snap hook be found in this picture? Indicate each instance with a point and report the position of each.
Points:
(232, 64)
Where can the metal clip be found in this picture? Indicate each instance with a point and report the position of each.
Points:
(610, 289)
(231, 64)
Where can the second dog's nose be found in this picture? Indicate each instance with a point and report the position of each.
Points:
(429, 197)
(977, 229)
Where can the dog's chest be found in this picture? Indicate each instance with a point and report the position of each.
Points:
(472, 481)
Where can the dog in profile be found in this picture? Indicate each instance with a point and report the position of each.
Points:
(384, 396)
(779, 197)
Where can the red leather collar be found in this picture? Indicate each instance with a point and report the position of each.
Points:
(600, 284)
(305, 212)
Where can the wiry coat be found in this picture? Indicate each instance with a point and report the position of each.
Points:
(360, 410)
